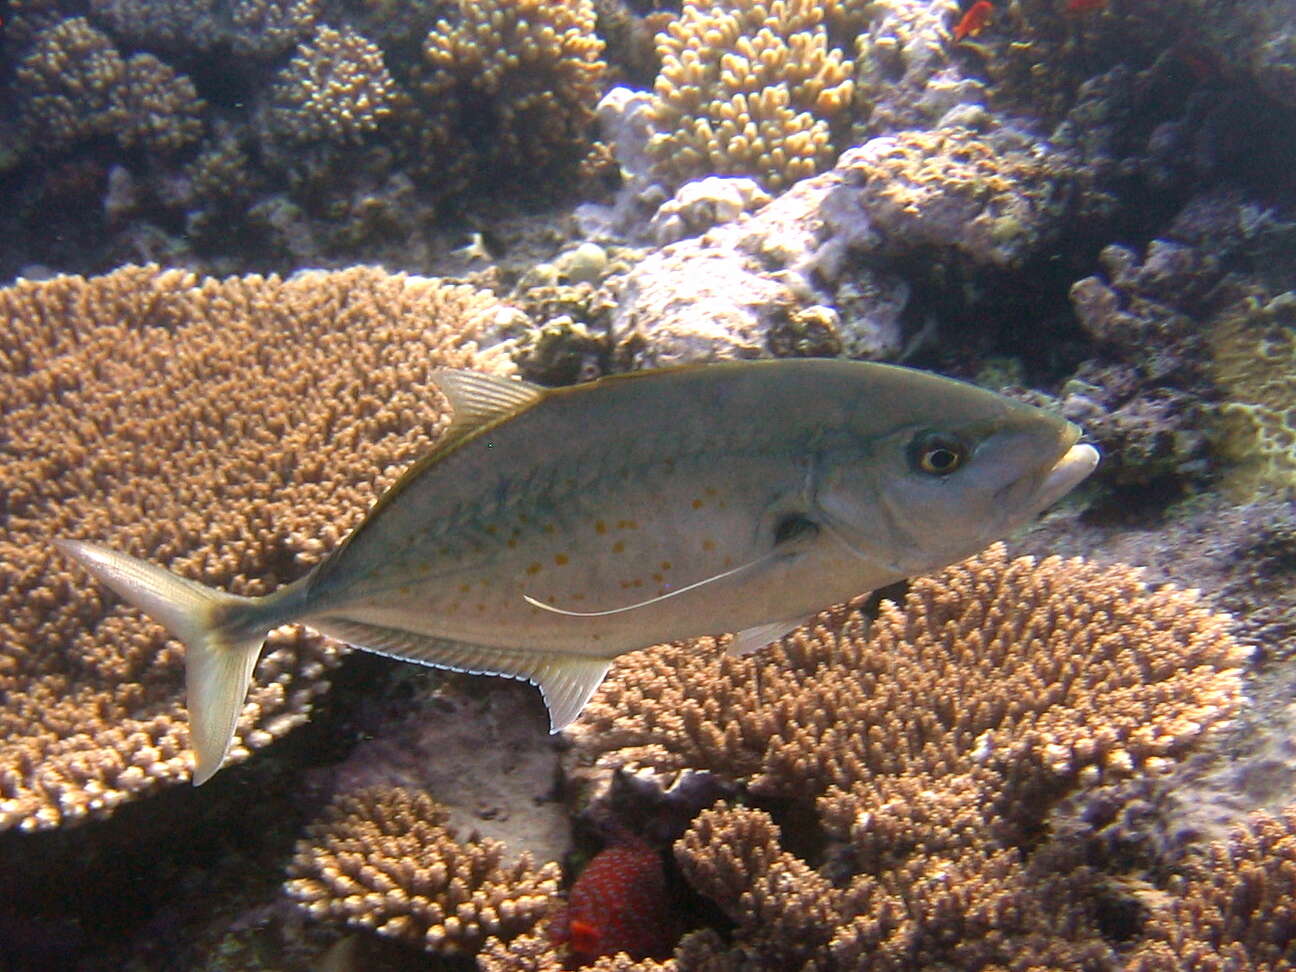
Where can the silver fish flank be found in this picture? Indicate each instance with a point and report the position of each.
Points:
(551, 530)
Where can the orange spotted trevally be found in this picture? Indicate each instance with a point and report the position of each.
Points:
(551, 530)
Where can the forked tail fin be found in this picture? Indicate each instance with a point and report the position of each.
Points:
(222, 632)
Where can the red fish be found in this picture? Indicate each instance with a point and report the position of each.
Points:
(975, 20)
(619, 903)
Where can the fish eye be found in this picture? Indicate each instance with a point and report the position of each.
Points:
(936, 455)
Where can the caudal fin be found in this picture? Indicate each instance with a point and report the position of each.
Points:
(222, 632)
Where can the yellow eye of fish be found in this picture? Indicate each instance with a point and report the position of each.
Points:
(937, 455)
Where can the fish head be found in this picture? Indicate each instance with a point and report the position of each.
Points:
(923, 494)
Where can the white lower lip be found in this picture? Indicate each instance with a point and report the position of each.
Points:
(1078, 462)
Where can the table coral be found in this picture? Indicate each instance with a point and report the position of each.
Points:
(382, 858)
(753, 88)
(518, 80)
(233, 429)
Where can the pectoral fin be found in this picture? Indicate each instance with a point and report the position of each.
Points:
(753, 639)
(566, 681)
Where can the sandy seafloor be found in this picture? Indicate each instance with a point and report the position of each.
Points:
(1088, 205)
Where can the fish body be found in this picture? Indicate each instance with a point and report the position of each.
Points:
(619, 903)
(551, 530)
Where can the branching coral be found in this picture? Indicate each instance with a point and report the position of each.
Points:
(232, 429)
(382, 858)
(66, 82)
(159, 110)
(753, 88)
(336, 87)
(518, 79)
(74, 85)
(1234, 908)
(931, 748)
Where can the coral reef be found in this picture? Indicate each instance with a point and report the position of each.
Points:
(382, 858)
(198, 423)
(754, 88)
(916, 762)
(66, 82)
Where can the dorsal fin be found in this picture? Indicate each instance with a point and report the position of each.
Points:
(479, 399)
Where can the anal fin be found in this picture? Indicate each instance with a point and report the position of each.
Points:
(565, 680)
(755, 638)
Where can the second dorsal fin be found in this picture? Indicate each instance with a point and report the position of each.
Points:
(479, 399)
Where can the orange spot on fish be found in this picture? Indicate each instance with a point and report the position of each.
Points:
(710, 491)
(974, 20)
(600, 526)
(465, 588)
(560, 559)
(697, 504)
(708, 544)
(665, 565)
(618, 547)
(627, 525)
(533, 568)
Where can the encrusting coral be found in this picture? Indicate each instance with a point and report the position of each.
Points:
(517, 79)
(382, 858)
(754, 88)
(232, 429)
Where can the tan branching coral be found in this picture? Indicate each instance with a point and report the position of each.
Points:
(383, 858)
(751, 88)
(158, 109)
(65, 84)
(1073, 667)
(1234, 909)
(931, 747)
(232, 429)
(524, 75)
(336, 87)
(267, 27)
(74, 85)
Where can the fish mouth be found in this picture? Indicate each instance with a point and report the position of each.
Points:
(1066, 473)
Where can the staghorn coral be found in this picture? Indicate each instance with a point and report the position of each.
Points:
(1233, 909)
(233, 429)
(517, 79)
(336, 87)
(382, 858)
(65, 84)
(751, 89)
